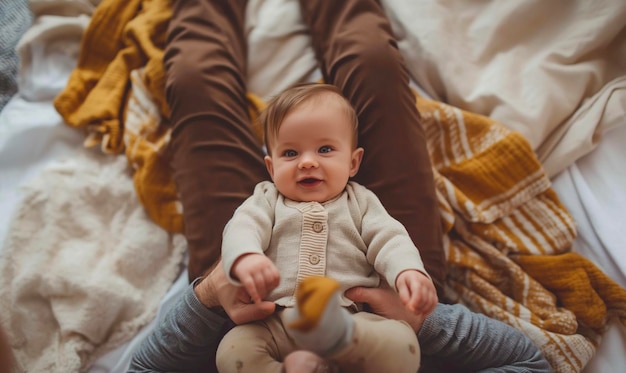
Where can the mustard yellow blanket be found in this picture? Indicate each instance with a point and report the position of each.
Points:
(507, 236)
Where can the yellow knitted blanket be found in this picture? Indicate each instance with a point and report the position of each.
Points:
(507, 236)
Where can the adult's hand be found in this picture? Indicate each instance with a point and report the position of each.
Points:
(215, 290)
(385, 302)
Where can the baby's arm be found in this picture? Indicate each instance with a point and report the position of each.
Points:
(417, 292)
(257, 274)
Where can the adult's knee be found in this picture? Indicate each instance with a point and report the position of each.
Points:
(375, 56)
(206, 83)
(184, 76)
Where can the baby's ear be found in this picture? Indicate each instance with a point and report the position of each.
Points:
(269, 165)
(355, 162)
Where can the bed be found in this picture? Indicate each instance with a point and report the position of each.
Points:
(92, 255)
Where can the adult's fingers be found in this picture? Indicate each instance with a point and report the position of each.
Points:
(245, 313)
(385, 302)
(377, 298)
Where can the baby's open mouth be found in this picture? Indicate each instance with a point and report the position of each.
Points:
(309, 180)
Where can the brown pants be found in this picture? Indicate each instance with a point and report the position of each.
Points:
(217, 160)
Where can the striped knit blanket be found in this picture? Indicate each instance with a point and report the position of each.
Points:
(507, 236)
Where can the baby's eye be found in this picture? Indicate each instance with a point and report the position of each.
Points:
(325, 149)
(290, 153)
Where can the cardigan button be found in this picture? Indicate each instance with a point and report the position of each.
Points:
(314, 259)
(318, 227)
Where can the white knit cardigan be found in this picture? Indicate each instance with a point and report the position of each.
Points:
(350, 238)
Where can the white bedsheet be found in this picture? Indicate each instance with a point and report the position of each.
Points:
(32, 136)
(594, 191)
(551, 70)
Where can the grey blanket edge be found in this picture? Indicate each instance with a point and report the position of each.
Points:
(15, 19)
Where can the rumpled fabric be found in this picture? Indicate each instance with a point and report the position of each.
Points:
(497, 206)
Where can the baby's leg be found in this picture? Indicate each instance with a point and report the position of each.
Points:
(257, 347)
(379, 345)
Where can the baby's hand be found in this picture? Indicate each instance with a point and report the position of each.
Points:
(417, 292)
(257, 274)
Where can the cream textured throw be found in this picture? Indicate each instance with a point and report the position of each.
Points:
(83, 267)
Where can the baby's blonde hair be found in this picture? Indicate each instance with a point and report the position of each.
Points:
(280, 106)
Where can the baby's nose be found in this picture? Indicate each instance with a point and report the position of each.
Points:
(308, 161)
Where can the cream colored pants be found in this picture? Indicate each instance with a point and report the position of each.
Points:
(377, 345)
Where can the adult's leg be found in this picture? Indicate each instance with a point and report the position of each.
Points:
(356, 50)
(454, 339)
(216, 157)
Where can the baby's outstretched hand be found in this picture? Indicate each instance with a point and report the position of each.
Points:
(257, 274)
(417, 292)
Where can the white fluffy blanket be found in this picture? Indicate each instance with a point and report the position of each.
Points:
(83, 267)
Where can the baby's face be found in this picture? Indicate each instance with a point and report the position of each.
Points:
(312, 156)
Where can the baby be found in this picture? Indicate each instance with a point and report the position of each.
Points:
(305, 238)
